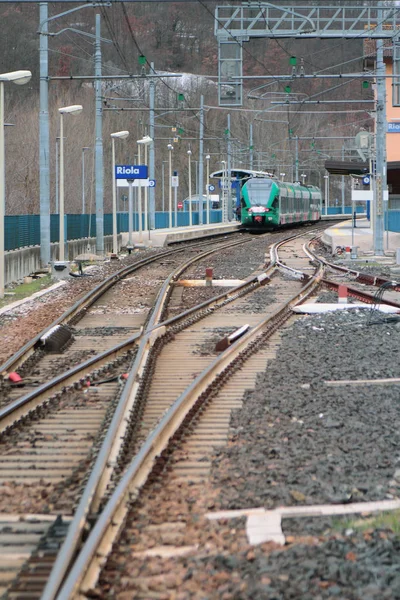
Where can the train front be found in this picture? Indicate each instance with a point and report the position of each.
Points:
(260, 203)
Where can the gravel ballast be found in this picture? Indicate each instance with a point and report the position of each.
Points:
(298, 441)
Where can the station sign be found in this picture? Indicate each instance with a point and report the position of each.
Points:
(393, 127)
(131, 172)
(136, 183)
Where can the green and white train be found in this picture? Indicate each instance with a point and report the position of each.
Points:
(267, 203)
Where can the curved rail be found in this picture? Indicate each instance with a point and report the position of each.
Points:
(12, 363)
(112, 516)
(37, 396)
(106, 459)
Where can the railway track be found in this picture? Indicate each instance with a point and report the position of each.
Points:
(185, 371)
(52, 433)
(176, 405)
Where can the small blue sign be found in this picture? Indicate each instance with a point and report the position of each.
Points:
(234, 184)
(211, 188)
(152, 183)
(366, 180)
(393, 127)
(131, 171)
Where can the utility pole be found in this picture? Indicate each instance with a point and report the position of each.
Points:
(380, 180)
(251, 154)
(44, 137)
(228, 170)
(296, 159)
(152, 204)
(343, 182)
(201, 159)
(99, 167)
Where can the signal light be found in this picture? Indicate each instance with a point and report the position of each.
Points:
(365, 84)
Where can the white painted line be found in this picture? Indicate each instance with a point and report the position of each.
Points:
(265, 525)
(208, 283)
(323, 308)
(166, 551)
(341, 382)
(32, 297)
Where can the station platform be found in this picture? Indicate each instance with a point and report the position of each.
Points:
(361, 237)
(163, 237)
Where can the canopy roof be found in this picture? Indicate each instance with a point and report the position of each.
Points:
(339, 167)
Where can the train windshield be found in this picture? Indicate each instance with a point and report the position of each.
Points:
(259, 191)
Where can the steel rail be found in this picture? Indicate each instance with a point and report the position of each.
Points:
(112, 517)
(12, 363)
(22, 406)
(365, 278)
(82, 304)
(107, 458)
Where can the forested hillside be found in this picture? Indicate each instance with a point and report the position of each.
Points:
(177, 37)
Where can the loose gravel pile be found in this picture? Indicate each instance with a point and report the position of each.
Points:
(298, 441)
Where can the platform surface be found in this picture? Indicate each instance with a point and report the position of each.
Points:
(344, 235)
(162, 237)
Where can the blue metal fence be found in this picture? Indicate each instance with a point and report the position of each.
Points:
(337, 210)
(24, 230)
(394, 220)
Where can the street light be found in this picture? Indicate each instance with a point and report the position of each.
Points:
(83, 177)
(170, 148)
(303, 176)
(282, 176)
(207, 188)
(225, 191)
(122, 135)
(75, 109)
(189, 153)
(145, 141)
(326, 177)
(163, 186)
(18, 77)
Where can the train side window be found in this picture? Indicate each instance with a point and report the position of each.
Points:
(275, 202)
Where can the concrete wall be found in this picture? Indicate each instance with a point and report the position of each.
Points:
(24, 261)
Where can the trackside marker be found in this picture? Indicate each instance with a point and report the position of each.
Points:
(209, 276)
(342, 293)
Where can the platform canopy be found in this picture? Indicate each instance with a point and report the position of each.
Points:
(339, 167)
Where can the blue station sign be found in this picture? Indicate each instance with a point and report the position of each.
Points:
(393, 127)
(131, 172)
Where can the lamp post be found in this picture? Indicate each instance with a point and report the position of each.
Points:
(303, 177)
(18, 77)
(83, 177)
(207, 188)
(170, 148)
(75, 109)
(146, 141)
(189, 153)
(122, 135)
(57, 173)
(162, 184)
(326, 177)
(282, 176)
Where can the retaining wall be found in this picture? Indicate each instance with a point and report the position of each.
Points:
(24, 261)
